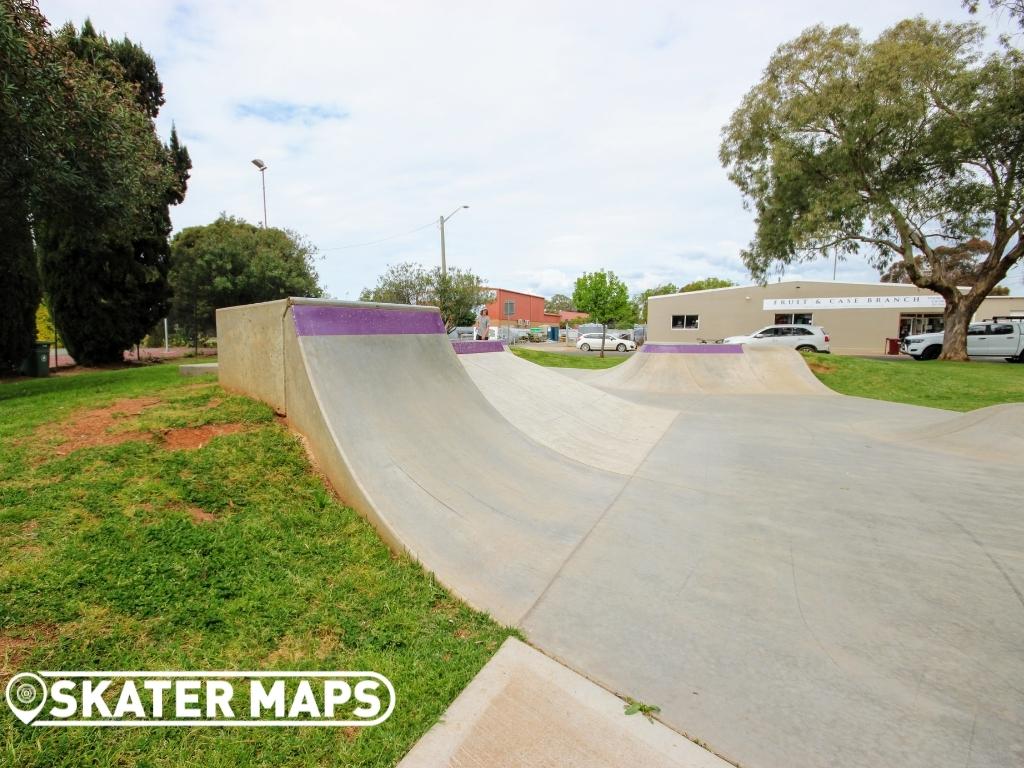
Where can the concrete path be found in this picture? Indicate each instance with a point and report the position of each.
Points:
(523, 709)
(788, 585)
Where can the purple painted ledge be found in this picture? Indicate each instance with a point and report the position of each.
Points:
(475, 347)
(694, 349)
(315, 320)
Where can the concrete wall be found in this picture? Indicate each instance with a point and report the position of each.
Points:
(734, 311)
(250, 351)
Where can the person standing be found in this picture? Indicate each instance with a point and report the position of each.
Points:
(483, 324)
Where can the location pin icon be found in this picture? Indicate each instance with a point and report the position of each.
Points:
(26, 695)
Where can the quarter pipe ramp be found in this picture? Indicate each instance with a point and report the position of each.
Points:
(689, 369)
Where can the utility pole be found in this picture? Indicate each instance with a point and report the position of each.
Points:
(441, 221)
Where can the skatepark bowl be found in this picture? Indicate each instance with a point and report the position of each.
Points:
(796, 578)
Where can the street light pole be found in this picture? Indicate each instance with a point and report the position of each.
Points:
(441, 221)
(263, 167)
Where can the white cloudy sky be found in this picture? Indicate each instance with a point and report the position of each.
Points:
(583, 133)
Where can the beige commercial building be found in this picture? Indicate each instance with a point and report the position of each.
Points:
(859, 317)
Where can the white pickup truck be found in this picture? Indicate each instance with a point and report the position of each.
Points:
(991, 338)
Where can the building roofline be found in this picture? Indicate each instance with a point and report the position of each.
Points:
(750, 286)
(512, 290)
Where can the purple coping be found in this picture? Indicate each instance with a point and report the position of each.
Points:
(473, 347)
(694, 349)
(321, 320)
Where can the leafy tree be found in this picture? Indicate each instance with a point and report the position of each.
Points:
(1015, 8)
(706, 284)
(559, 303)
(900, 146)
(118, 60)
(20, 284)
(232, 262)
(30, 76)
(959, 262)
(77, 160)
(640, 300)
(405, 283)
(604, 298)
(456, 294)
(44, 327)
(105, 267)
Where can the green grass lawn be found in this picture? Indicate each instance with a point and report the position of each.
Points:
(938, 384)
(562, 360)
(119, 551)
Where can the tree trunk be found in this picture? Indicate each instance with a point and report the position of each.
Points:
(604, 332)
(957, 318)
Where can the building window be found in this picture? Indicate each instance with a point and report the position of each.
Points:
(920, 323)
(510, 308)
(797, 318)
(685, 322)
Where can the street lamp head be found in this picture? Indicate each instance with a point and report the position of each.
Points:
(465, 206)
(259, 164)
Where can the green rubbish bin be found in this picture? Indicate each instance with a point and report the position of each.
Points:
(37, 363)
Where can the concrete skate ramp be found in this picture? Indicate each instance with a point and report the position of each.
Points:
(577, 420)
(686, 369)
(993, 433)
(407, 438)
(791, 592)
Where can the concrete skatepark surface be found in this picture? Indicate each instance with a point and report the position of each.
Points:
(576, 420)
(788, 587)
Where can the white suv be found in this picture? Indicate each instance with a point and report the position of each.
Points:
(802, 338)
(589, 341)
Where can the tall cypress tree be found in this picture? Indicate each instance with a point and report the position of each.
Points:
(26, 81)
(106, 278)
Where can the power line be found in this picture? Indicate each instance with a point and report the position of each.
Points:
(382, 240)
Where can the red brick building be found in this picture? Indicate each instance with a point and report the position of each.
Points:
(523, 310)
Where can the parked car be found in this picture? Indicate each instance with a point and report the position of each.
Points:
(802, 338)
(589, 341)
(988, 339)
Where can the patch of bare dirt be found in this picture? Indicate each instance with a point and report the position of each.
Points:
(817, 367)
(191, 438)
(293, 649)
(16, 642)
(200, 515)
(87, 429)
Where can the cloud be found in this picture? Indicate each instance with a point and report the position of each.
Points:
(288, 112)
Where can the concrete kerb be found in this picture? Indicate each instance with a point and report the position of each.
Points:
(524, 708)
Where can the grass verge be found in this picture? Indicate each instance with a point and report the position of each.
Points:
(561, 360)
(937, 384)
(151, 521)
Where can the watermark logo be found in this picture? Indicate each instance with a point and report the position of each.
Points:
(238, 699)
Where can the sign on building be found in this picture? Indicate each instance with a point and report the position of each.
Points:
(857, 302)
